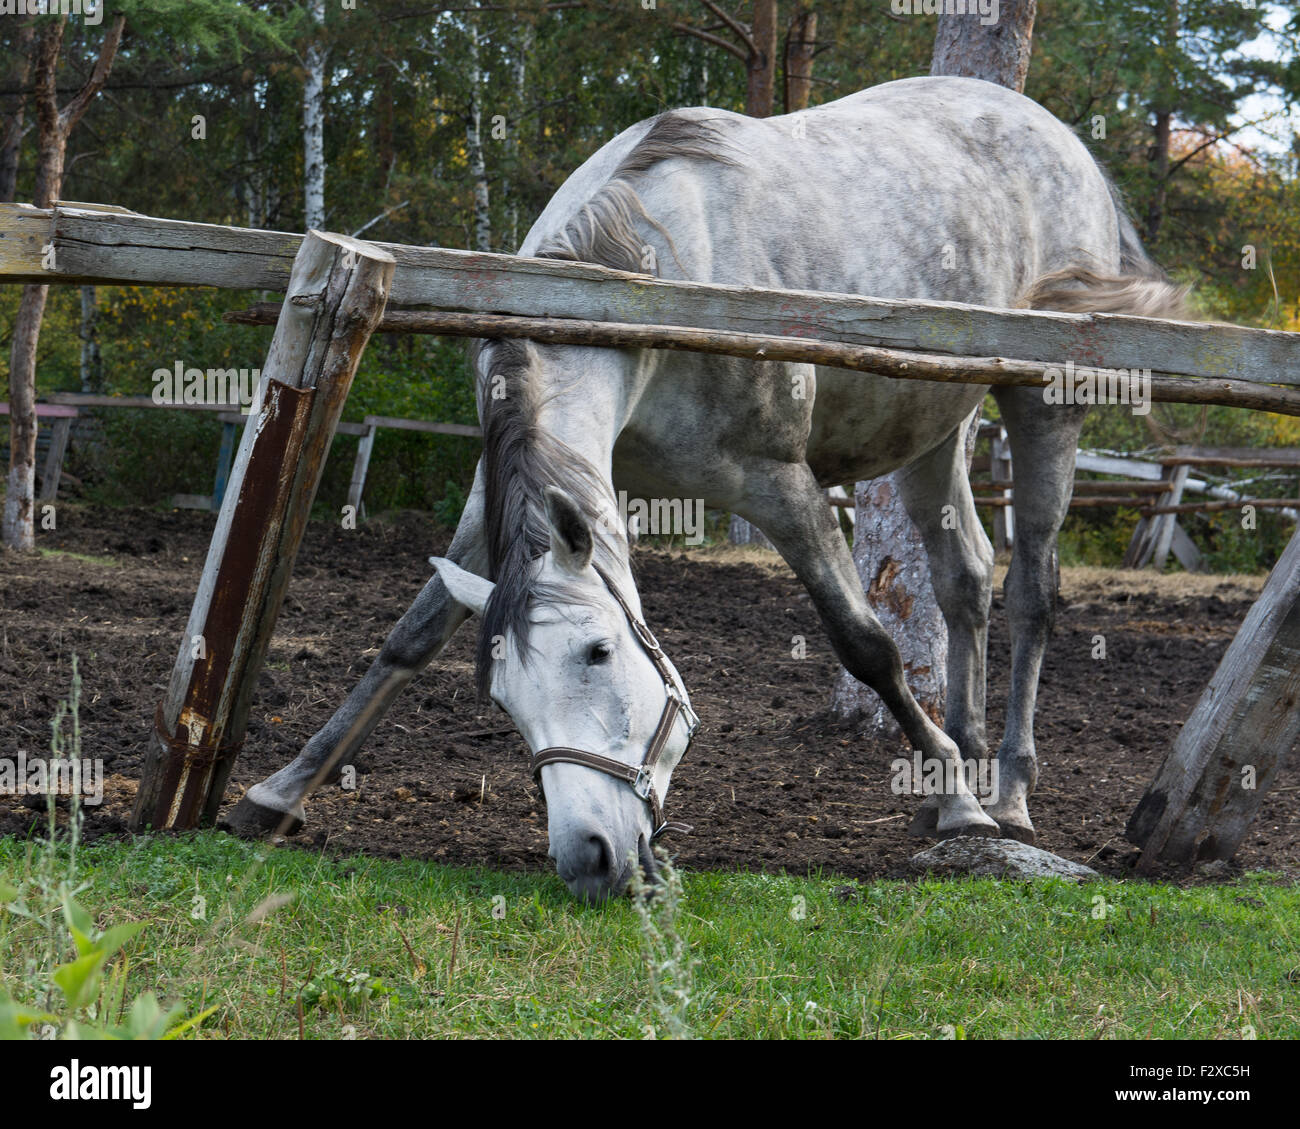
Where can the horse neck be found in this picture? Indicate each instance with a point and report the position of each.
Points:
(584, 398)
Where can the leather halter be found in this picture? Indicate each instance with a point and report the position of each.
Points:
(640, 777)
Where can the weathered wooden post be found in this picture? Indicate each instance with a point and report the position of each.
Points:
(63, 418)
(365, 445)
(336, 296)
(1163, 536)
(1237, 738)
(1154, 535)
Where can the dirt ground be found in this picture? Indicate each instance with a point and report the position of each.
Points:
(771, 783)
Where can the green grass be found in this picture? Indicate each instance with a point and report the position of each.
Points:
(86, 558)
(410, 949)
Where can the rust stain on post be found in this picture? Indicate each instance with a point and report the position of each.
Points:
(337, 293)
(253, 548)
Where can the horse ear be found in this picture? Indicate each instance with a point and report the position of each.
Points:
(571, 541)
(466, 588)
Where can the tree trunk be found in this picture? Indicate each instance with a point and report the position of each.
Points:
(1165, 95)
(891, 561)
(998, 52)
(474, 146)
(13, 133)
(510, 189)
(92, 367)
(1160, 175)
(761, 65)
(313, 124)
(53, 128)
(19, 530)
(800, 46)
(888, 550)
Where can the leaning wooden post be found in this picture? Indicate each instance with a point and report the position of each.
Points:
(1163, 536)
(1143, 543)
(336, 297)
(1237, 738)
(58, 449)
(360, 465)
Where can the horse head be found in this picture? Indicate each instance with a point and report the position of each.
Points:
(603, 711)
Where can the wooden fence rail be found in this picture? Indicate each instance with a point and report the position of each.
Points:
(907, 363)
(92, 245)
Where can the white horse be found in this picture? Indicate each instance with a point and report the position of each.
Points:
(931, 188)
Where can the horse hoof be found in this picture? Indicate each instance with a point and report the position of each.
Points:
(1021, 833)
(988, 830)
(251, 820)
(925, 823)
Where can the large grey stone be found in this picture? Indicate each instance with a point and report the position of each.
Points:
(996, 858)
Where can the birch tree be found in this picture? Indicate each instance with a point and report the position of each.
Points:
(313, 121)
(474, 153)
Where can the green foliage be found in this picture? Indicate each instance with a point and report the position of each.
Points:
(451, 505)
(669, 967)
(556, 82)
(87, 1005)
(412, 377)
(343, 988)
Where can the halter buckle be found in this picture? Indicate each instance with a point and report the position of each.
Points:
(644, 783)
(646, 636)
(687, 711)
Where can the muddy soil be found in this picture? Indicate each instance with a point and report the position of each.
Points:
(772, 783)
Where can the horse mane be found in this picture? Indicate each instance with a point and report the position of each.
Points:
(521, 458)
(604, 230)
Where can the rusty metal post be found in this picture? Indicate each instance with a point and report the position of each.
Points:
(336, 297)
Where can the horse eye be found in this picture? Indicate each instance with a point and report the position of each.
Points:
(599, 653)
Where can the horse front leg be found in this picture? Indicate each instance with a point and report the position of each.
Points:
(785, 502)
(275, 805)
(1044, 438)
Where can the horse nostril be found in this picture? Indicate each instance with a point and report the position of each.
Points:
(590, 867)
(601, 856)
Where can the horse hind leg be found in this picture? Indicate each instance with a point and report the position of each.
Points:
(1044, 439)
(275, 806)
(936, 492)
(791, 509)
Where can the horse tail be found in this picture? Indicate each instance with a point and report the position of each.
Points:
(1140, 288)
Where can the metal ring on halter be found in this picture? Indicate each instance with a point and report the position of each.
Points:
(640, 777)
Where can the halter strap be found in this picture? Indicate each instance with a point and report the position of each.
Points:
(640, 777)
